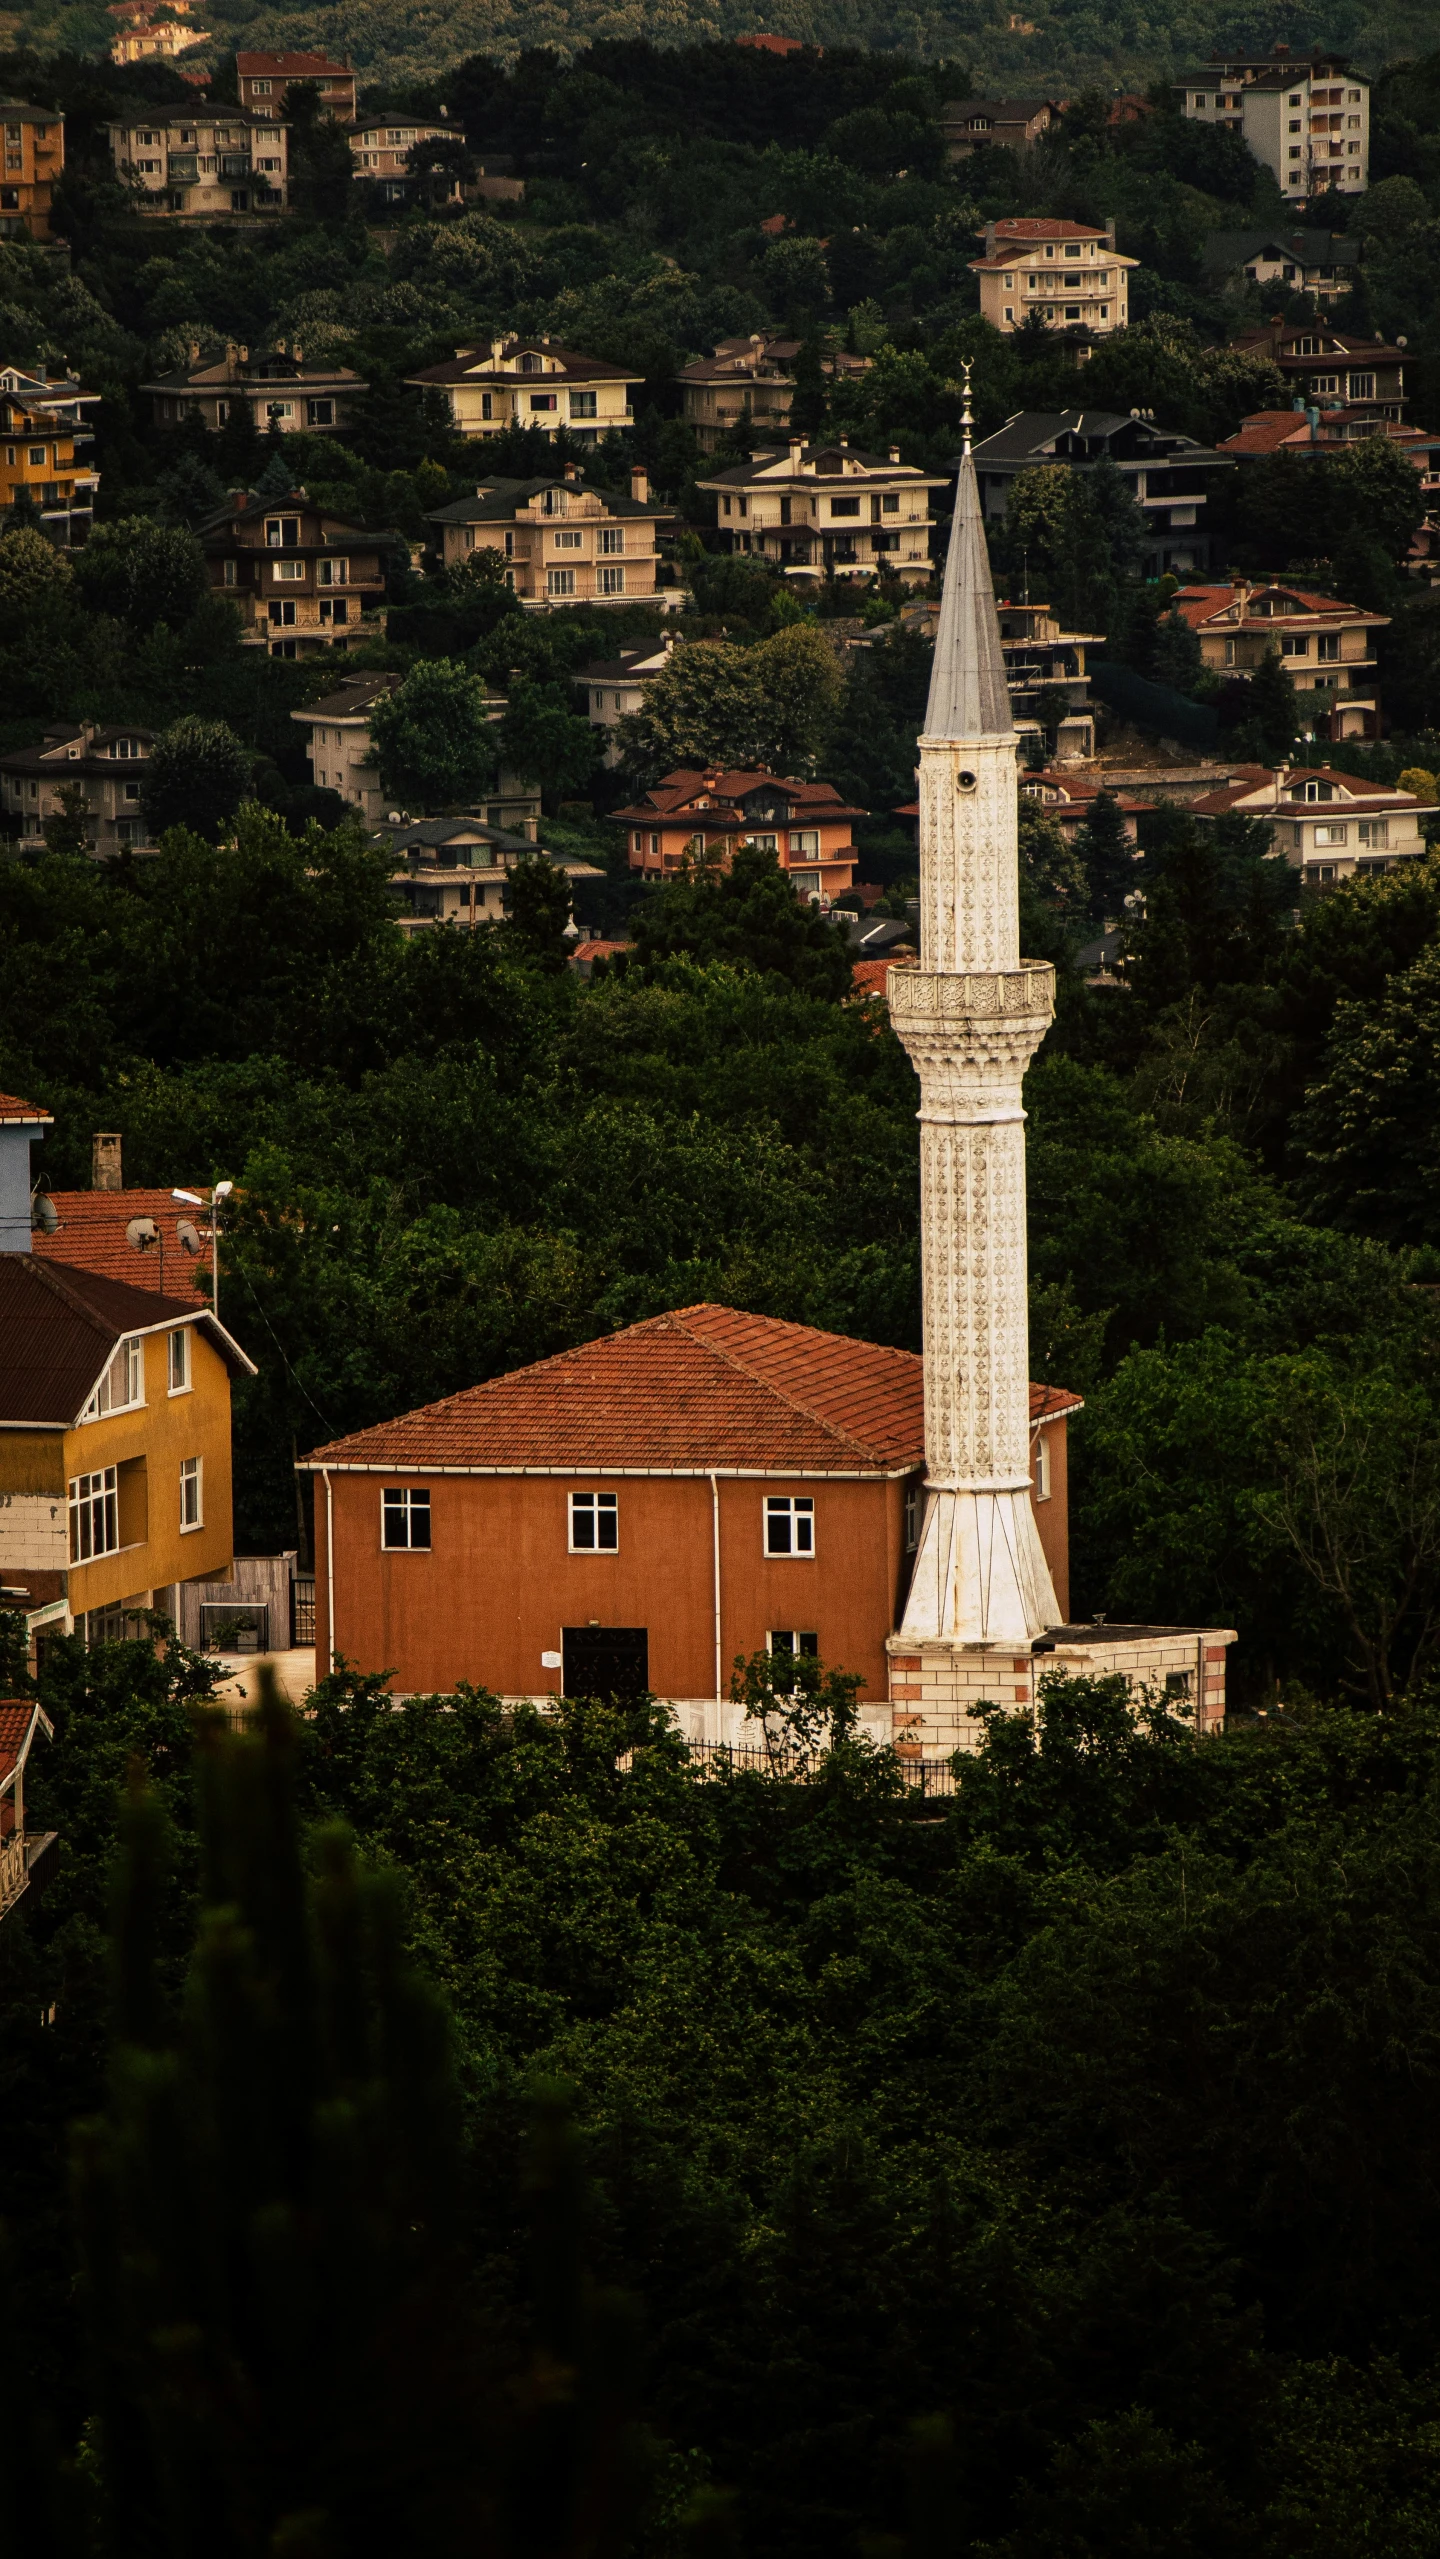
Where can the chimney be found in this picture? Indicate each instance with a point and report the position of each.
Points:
(640, 484)
(894, 452)
(105, 1174)
(497, 350)
(1110, 232)
(797, 447)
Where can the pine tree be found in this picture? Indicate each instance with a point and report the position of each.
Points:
(1177, 657)
(1272, 714)
(1108, 858)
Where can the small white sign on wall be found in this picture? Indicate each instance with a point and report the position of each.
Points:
(552, 1661)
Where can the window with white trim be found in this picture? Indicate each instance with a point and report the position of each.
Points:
(792, 1640)
(1042, 1467)
(405, 1517)
(914, 1513)
(123, 1385)
(179, 1360)
(192, 1484)
(612, 537)
(1331, 834)
(612, 581)
(594, 1523)
(789, 1524)
(560, 581)
(94, 1515)
(289, 572)
(333, 572)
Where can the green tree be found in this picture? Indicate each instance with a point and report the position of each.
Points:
(775, 704)
(1049, 865)
(1177, 659)
(435, 743)
(748, 915)
(1272, 714)
(31, 569)
(796, 281)
(1106, 858)
(142, 573)
(803, 1710)
(537, 910)
(68, 829)
(546, 743)
(196, 775)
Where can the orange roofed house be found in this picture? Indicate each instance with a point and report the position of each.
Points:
(692, 816)
(636, 1513)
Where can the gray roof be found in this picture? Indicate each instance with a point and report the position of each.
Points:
(499, 501)
(1313, 248)
(1036, 431)
(58, 1328)
(829, 460)
(969, 697)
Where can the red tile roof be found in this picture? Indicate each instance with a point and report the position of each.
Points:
(12, 1108)
(703, 1387)
(868, 977)
(302, 65)
(1039, 226)
(91, 1237)
(675, 795)
(1198, 605)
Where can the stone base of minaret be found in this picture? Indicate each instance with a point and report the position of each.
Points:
(937, 1688)
(980, 1568)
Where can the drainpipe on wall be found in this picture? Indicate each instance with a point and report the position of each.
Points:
(329, 1574)
(715, 1531)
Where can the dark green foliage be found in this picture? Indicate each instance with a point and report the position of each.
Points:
(537, 910)
(435, 745)
(142, 574)
(196, 776)
(748, 914)
(1107, 858)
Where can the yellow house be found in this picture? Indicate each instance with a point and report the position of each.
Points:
(114, 1446)
(34, 166)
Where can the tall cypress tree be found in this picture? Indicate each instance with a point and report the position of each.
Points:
(1108, 858)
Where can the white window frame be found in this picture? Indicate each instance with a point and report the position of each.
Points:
(801, 1643)
(192, 1495)
(333, 572)
(177, 1356)
(790, 1516)
(1041, 1479)
(612, 540)
(590, 1514)
(914, 1515)
(405, 1506)
(94, 1501)
(560, 581)
(125, 1370)
(611, 580)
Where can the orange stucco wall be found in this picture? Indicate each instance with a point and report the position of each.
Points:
(1052, 1518)
(499, 1584)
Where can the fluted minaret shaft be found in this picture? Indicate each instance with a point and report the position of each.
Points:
(971, 1017)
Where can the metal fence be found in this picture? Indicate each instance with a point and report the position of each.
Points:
(920, 1776)
(302, 1609)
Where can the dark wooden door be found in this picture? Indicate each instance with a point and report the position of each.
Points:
(607, 1661)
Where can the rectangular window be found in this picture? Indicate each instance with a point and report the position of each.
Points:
(229, 573)
(333, 572)
(94, 1515)
(318, 413)
(1331, 834)
(560, 581)
(37, 455)
(1362, 386)
(289, 572)
(404, 1518)
(582, 404)
(1327, 646)
(612, 537)
(594, 1523)
(789, 1524)
(612, 581)
(192, 1512)
(793, 1641)
(890, 505)
(487, 404)
(1042, 1467)
(844, 506)
(807, 840)
(123, 1384)
(180, 1360)
(568, 541)
(1375, 830)
(914, 1512)
(1293, 648)
(544, 399)
(283, 615)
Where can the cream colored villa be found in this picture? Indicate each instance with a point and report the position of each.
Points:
(561, 542)
(828, 509)
(1326, 825)
(531, 382)
(1064, 273)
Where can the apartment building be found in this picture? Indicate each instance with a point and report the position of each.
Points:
(1169, 475)
(456, 870)
(208, 165)
(562, 543)
(381, 155)
(693, 816)
(277, 385)
(150, 34)
(828, 509)
(615, 686)
(749, 383)
(1324, 364)
(1328, 826)
(263, 78)
(300, 578)
(1041, 658)
(532, 382)
(1308, 122)
(34, 164)
(996, 124)
(1323, 264)
(40, 465)
(1328, 647)
(105, 765)
(342, 757)
(1067, 274)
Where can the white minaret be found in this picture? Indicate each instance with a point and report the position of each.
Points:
(972, 1016)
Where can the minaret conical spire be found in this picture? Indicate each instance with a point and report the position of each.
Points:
(969, 697)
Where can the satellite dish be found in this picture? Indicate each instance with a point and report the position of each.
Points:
(142, 1232)
(44, 1214)
(189, 1235)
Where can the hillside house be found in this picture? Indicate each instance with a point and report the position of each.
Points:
(1324, 364)
(695, 816)
(1068, 798)
(341, 756)
(1327, 646)
(1321, 263)
(1067, 274)
(817, 510)
(106, 766)
(1169, 475)
(45, 462)
(1307, 122)
(34, 166)
(561, 542)
(114, 1428)
(996, 124)
(455, 870)
(748, 384)
(263, 78)
(276, 385)
(198, 164)
(1327, 826)
(532, 382)
(25, 1854)
(381, 148)
(699, 1487)
(613, 687)
(299, 577)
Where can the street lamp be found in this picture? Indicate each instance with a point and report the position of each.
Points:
(193, 1199)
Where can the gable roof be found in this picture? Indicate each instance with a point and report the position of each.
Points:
(703, 1388)
(1199, 605)
(91, 1237)
(1312, 248)
(476, 364)
(675, 795)
(250, 64)
(500, 502)
(33, 1115)
(58, 1328)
